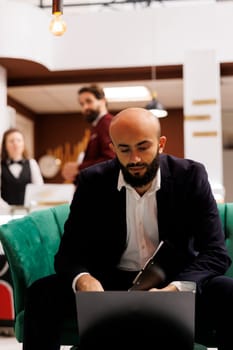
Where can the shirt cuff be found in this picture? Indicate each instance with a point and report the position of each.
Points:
(185, 286)
(75, 280)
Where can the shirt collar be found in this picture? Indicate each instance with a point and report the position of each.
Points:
(155, 186)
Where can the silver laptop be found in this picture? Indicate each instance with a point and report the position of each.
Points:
(112, 318)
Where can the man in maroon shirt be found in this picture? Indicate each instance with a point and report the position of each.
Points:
(94, 108)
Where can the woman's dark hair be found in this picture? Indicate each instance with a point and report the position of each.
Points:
(4, 153)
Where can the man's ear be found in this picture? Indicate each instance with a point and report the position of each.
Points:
(162, 143)
(111, 145)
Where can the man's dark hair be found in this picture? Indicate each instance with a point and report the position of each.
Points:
(96, 90)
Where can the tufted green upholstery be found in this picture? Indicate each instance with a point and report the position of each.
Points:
(30, 243)
(226, 214)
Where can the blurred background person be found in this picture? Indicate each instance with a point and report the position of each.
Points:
(94, 109)
(17, 169)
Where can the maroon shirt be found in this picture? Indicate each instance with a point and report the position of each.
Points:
(98, 148)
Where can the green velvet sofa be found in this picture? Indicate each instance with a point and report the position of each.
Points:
(30, 243)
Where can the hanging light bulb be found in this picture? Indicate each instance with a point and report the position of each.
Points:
(154, 105)
(57, 25)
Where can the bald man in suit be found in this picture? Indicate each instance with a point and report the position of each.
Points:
(121, 210)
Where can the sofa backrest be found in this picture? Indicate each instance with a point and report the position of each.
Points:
(30, 244)
(226, 214)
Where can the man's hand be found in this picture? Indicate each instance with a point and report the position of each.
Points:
(168, 288)
(70, 171)
(89, 284)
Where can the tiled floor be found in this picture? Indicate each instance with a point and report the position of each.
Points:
(10, 343)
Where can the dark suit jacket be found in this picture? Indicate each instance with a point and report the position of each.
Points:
(95, 232)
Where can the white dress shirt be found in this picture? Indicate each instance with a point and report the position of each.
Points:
(142, 225)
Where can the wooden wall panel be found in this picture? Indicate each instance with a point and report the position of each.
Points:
(54, 131)
(172, 128)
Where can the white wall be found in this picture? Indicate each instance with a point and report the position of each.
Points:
(228, 174)
(138, 37)
(227, 128)
(142, 37)
(24, 32)
(4, 120)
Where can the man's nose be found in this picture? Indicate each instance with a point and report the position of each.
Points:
(84, 108)
(134, 157)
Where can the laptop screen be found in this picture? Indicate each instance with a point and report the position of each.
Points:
(137, 318)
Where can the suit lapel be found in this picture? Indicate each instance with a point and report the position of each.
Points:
(165, 205)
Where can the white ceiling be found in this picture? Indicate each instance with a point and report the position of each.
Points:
(63, 98)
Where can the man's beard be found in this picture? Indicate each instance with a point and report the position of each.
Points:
(140, 180)
(91, 116)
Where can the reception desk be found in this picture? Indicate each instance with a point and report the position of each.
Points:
(13, 212)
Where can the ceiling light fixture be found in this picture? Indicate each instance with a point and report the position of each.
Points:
(127, 93)
(57, 25)
(154, 105)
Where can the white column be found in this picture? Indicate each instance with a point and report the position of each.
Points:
(7, 115)
(202, 114)
(3, 101)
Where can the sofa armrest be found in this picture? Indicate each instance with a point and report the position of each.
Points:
(29, 244)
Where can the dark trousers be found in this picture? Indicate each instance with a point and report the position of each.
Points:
(48, 301)
(214, 308)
